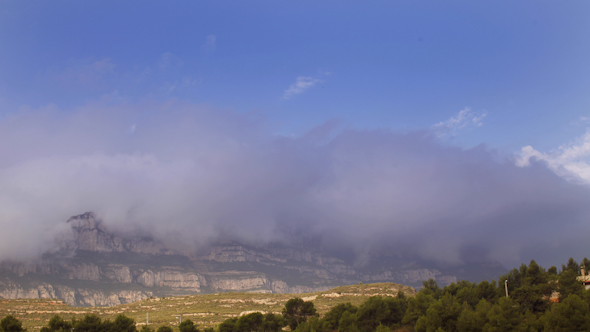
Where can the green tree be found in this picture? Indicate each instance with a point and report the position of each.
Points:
(487, 291)
(514, 278)
(250, 323)
(382, 328)
(297, 311)
(473, 320)
(443, 313)
(187, 325)
(164, 329)
(397, 308)
(228, 325)
(431, 287)
(348, 322)
(466, 292)
(314, 324)
(571, 315)
(123, 323)
(90, 323)
(532, 322)
(504, 316)
(11, 324)
(568, 283)
(429, 322)
(417, 306)
(332, 317)
(272, 323)
(372, 313)
(145, 328)
(107, 326)
(571, 265)
(57, 324)
(534, 290)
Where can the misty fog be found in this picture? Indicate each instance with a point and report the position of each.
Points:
(189, 174)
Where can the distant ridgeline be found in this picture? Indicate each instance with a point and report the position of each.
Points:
(526, 299)
(94, 266)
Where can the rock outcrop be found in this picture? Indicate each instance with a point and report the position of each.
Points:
(90, 234)
(71, 295)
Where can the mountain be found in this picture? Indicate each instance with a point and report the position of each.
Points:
(93, 266)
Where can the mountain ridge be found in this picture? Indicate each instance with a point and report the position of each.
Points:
(94, 266)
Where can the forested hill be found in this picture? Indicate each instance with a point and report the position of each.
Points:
(539, 300)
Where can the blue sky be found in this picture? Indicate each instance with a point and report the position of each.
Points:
(500, 86)
(393, 64)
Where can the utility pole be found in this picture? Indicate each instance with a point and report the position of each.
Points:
(147, 318)
(179, 317)
(506, 287)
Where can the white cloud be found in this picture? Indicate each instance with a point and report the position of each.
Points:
(571, 161)
(210, 44)
(301, 84)
(464, 119)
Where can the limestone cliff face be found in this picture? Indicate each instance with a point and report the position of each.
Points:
(118, 273)
(238, 281)
(84, 272)
(170, 278)
(93, 297)
(97, 267)
(71, 295)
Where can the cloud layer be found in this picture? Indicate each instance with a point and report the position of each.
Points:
(571, 161)
(176, 169)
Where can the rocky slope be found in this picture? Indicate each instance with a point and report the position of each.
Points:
(93, 266)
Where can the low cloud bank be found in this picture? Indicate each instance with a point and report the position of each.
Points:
(189, 174)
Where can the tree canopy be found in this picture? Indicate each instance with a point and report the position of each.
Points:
(297, 311)
(11, 324)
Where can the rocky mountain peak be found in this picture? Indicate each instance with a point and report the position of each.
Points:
(91, 234)
(86, 221)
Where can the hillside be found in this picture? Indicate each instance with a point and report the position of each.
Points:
(206, 310)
